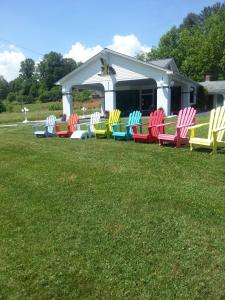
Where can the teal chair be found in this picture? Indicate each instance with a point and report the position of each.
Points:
(124, 131)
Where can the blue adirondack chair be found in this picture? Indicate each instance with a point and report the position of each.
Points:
(124, 131)
(49, 128)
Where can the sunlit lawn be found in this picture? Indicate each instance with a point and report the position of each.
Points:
(100, 219)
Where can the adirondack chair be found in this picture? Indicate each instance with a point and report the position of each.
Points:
(119, 133)
(49, 128)
(71, 127)
(104, 129)
(89, 130)
(155, 118)
(215, 132)
(186, 118)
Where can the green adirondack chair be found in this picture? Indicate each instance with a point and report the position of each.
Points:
(215, 133)
(104, 128)
(124, 131)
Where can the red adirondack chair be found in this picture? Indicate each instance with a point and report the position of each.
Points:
(155, 118)
(186, 118)
(71, 127)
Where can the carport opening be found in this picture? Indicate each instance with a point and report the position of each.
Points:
(91, 97)
(136, 95)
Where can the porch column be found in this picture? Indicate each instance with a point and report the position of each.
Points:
(163, 97)
(224, 99)
(185, 99)
(110, 94)
(67, 100)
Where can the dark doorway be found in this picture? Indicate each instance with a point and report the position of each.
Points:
(175, 99)
(127, 101)
(210, 102)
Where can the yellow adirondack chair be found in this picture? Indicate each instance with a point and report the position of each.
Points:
(215, 133)
(104, 129)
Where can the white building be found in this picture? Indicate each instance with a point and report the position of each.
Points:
(216, 92)
(129, 84)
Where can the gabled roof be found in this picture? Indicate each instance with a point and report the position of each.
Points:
(167, 63)
(214, 86)
(161, 62)
(104, 51)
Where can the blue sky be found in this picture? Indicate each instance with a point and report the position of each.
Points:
(49, 25)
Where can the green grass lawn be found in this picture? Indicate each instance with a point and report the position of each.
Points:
(100, 219)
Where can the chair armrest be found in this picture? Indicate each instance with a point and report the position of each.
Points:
(219, 129)
(198, 126)
(183, 126)
(163, 124)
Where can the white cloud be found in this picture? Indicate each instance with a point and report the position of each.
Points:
(10, 63)
(126, 44)
(81, 53)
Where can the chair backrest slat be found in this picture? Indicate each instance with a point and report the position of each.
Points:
(73, 120)
(156, 118)
(114, 117)
(217, 120)
(134, 118)
(186, 116)
(95, 118)
(50, 123)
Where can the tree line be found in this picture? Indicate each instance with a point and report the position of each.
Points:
(197, 45)
(37, 82)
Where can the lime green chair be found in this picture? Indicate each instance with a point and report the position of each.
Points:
(104, 128)
(215, 133)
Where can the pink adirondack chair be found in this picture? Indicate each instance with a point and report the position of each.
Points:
(155, 118)
(186, 118)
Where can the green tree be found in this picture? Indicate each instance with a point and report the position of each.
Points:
(27, 68)
(4, 88)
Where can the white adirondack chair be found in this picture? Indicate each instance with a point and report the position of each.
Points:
(49, 128)
(89, 131)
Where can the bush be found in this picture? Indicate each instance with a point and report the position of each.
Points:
(2, 107)
(11, 97)
(10, 107)
(82, 96)
(45, 97)
(55, 106)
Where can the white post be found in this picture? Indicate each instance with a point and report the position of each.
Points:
(110, 94)
(223, 99)
(185, 99)
(163, 96)
(67, 101)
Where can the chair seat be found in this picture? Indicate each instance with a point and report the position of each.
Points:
(167, 137)
(143, 136)
(79, 134)
(100, 131)
(118, 133)
(201, 141)
(41, 132)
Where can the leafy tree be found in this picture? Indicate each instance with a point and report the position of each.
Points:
(197, 45)
(27, 68)
(192, 20)
(4, 88)
(69, 65)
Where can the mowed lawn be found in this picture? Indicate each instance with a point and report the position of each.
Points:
(100, 219)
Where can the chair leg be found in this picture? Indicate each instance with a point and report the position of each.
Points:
(191, 147)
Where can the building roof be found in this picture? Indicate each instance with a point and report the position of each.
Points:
(106, 50)
(163, 63)
(214, 86)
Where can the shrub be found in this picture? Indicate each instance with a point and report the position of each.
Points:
(11, 97)
(2, 107)
(9, 106)
(55, 106)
